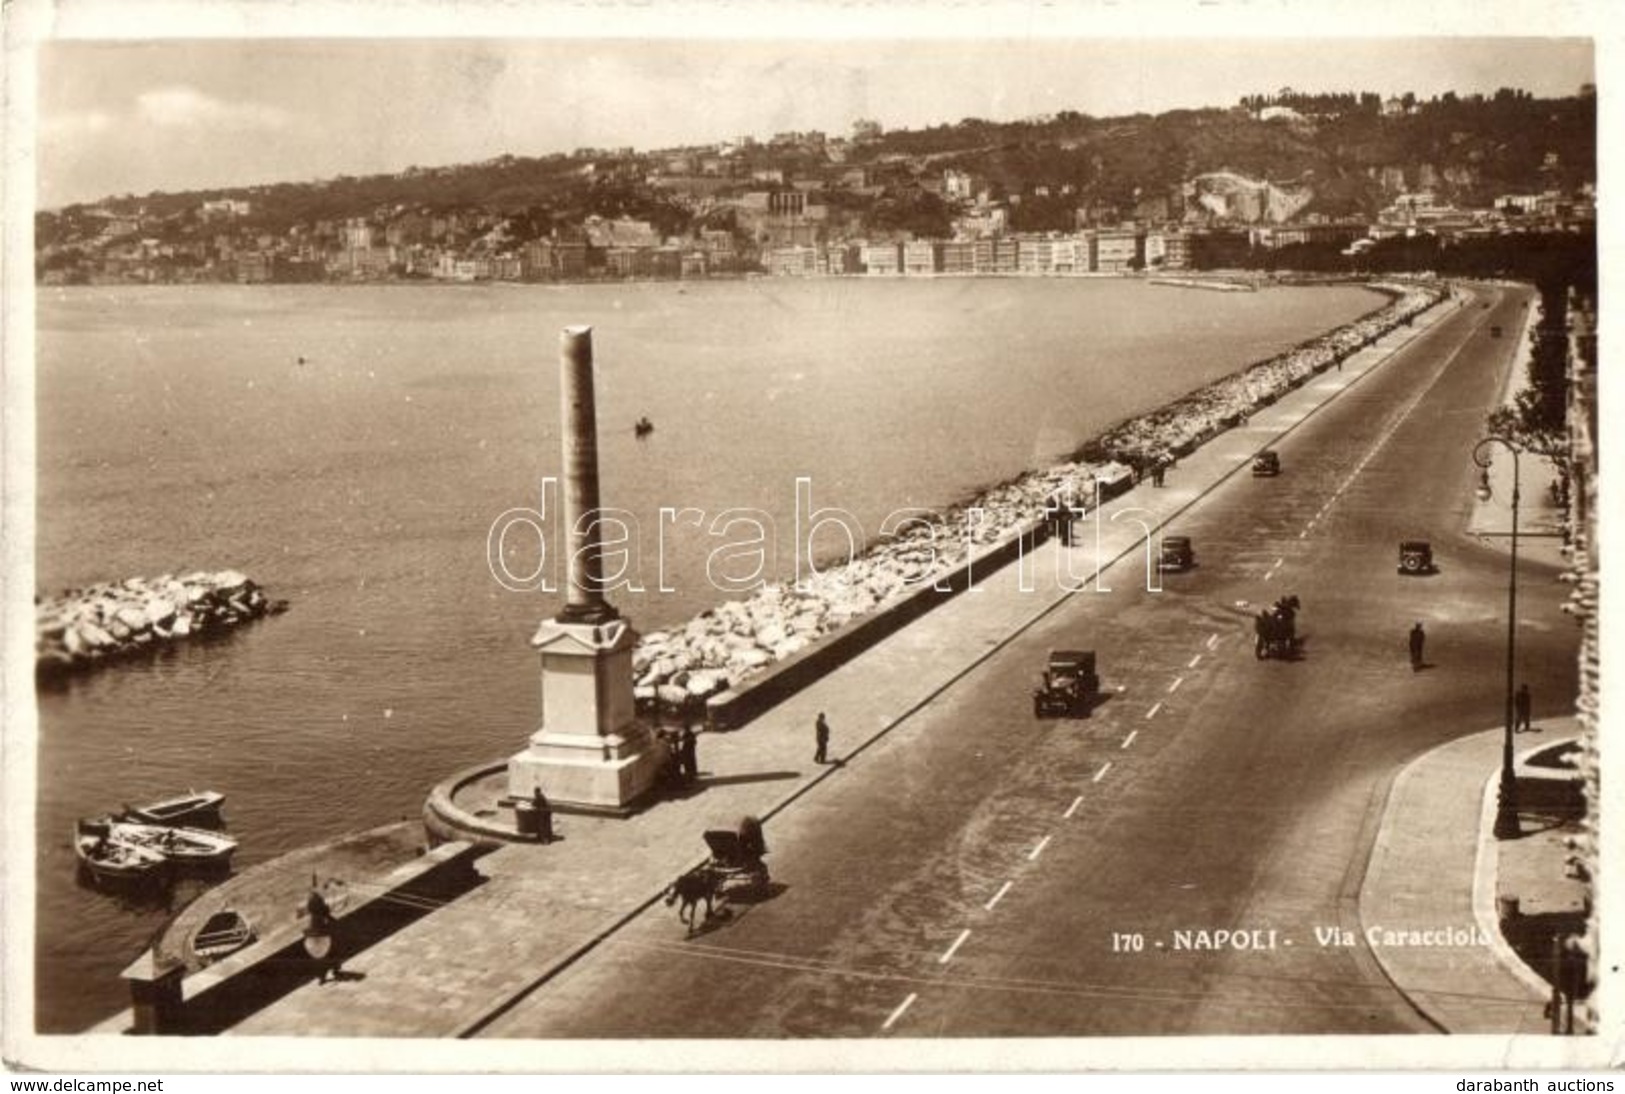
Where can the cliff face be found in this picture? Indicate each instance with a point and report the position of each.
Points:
(1235, 197)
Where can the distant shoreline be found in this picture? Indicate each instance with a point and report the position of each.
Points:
(1227, 280)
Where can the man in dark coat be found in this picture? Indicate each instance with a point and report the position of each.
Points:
(821, 737)
(1520, 708)
(1417, 639)
(687, 745)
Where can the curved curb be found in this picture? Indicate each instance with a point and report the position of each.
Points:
(1487, 866)
(1482, 897)
(445, 820)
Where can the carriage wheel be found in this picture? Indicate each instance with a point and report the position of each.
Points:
(1411, 564)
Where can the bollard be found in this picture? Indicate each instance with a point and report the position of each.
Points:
(155, 995)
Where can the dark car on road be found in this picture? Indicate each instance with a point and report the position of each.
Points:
(1176, 553)
(1070, 685)
(1415, 557)
(1267, 463)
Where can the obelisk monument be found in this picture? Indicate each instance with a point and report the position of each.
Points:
(591, 752)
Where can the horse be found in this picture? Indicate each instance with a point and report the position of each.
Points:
(643, 427)
(1276, 629)
(700, 883)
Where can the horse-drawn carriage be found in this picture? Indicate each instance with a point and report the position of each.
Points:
(736, 864)
(1276, 630)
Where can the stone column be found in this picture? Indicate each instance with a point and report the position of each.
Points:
(584, 591)
(591, 754)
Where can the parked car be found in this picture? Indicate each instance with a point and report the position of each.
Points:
(1176, 553)
(1070, 685)
(1495, 332)
(1267, 462)
(1415, 557)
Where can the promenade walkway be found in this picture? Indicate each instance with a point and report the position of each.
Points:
(1437, 826)
(454, 971)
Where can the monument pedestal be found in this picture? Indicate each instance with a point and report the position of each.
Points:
(591, 753)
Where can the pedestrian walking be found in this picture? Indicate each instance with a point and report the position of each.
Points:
(687, 746)
(1520, 708)
(821, 736)
(1417, 639)
(320, 928)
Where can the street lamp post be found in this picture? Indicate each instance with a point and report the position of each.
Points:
(1506, 811)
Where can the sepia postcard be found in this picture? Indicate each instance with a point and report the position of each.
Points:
(728, 537)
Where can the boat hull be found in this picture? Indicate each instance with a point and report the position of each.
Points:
(187, 848)
(111, 861)
(195, 810)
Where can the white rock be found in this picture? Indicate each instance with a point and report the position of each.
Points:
(702, 684)
(790, 647)
(749, 658)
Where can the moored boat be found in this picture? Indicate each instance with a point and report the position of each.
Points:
(193, 847)
(112, 860)
(194, 809)
(224, 932)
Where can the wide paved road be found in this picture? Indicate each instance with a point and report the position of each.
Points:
(967, 875)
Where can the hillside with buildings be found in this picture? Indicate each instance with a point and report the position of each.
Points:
(1067, 193)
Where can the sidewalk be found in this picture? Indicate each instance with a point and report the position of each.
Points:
(457, 969)
(1540, 518)
(1438, 826)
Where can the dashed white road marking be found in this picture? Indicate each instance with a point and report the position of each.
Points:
(1101, 774)
(1152, 713)
(1129, 740)
(1212, 641)
(1073, 808)
(998, 896)
(1173, 687)
(948, 954)
(901, 1007)
(1032, 855)
(1197, 660)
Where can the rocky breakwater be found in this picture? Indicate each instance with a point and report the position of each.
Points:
(679, 668)
(1179, 427)
(86, 627)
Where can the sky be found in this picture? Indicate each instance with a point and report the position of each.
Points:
(117, 117)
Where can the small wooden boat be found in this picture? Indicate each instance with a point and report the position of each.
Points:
(194, 847)
(111, 860)
(224, 932)
(195, 809)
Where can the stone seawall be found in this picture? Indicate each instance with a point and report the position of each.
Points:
(84, 628)
(679, 669)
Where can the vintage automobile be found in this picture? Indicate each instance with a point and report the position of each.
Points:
(1176, 553)
(1415, 557)
(1267, 462)
(1070, 685)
